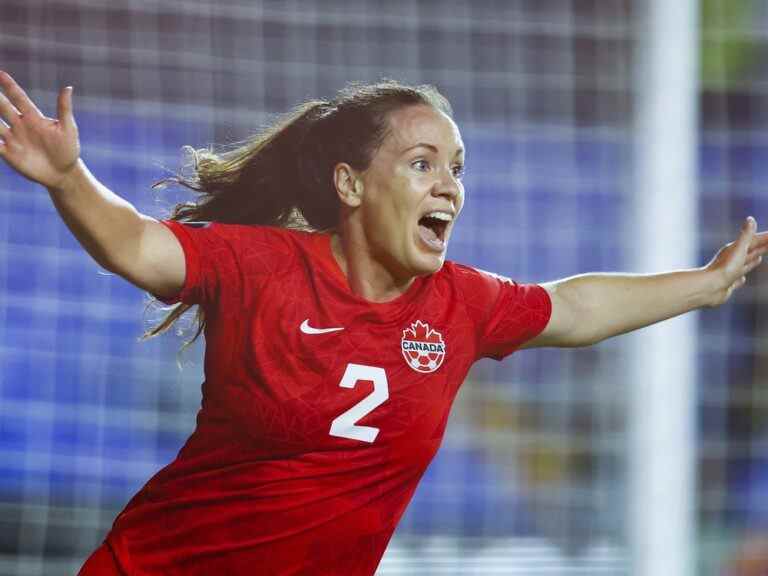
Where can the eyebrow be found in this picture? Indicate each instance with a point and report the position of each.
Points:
(431, 147)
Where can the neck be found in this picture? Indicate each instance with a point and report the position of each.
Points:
(366, 276)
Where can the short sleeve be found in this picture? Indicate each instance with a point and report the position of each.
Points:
(210, 258)
(506, 314)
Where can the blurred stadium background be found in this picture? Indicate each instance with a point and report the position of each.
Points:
(532, 477)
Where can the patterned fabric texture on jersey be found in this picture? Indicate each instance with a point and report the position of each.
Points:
(320, 410)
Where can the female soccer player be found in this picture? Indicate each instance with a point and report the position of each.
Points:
(336, 333)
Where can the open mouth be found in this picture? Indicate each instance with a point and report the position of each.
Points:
(432, 231)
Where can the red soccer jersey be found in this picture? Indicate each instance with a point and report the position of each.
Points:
(320, 410)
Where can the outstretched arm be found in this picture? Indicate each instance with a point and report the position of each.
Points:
(112, 231)
(592, 307)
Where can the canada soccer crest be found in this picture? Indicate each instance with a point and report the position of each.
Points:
(423, 348)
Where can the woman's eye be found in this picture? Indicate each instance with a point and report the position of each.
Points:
(421, 165)
(458, 170)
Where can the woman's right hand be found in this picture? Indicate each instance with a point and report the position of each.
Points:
(43, 149)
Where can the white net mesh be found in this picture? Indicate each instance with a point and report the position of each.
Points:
(531, 477)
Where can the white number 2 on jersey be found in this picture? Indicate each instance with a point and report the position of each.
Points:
(344, 425)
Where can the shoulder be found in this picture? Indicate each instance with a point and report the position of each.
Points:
(269, 248)
(244, 232)
(238, 236)
(482, 290)
(472, 278)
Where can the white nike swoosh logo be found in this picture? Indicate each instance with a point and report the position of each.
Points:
(307, 329)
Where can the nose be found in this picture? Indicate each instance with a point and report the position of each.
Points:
(447, 185)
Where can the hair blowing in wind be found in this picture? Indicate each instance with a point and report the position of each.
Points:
(282, 176)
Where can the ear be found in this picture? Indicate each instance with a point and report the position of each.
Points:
(348, 184)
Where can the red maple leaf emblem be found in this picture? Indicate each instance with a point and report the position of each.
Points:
(422, 347)
(422, 332)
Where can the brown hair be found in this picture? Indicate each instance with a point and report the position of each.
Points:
(283, 176)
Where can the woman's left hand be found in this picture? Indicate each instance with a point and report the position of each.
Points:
(735, 260)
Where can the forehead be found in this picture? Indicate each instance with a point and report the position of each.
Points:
(422, 124)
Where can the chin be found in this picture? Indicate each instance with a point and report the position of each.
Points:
(429, 265)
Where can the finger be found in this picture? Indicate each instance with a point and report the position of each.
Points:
(16, 95)
(8, 111)
(752, 264)
(754, 257)
(747, 233)
(64, 108)
(758, 244)
(759, 241)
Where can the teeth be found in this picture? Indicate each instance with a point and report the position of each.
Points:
(444, 216)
